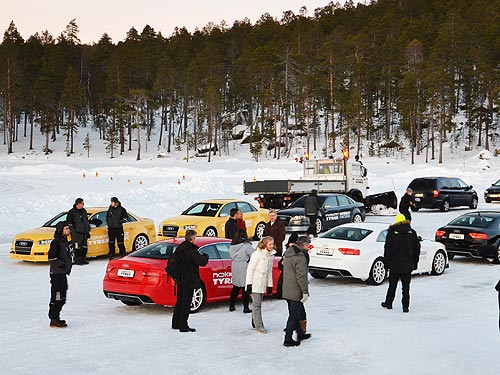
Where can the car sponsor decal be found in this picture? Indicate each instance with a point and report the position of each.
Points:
(102, 239)
(222, 278)
(338, 215)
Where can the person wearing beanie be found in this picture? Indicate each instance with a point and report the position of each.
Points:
(401, 255)
(115, 217)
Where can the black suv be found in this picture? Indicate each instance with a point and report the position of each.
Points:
(442, 193)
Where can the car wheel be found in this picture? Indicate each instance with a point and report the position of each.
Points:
(210, 232)
(496, 259)
(199, 298)
(140, 241)
(377, 272)
(357, 218)
(415, 208)
(259, 231)
(318, 274)
(473, 203)
(131, 303)
(445, 207)
(319, 225)
(439, 263)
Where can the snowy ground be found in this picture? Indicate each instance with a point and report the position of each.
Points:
(452, 327)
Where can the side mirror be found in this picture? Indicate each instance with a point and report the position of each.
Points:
(470, 187)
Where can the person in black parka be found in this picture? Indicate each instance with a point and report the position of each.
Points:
(401, 255)
(311, 208)
(60, 266)
(231, 226)
(188, 282)
(115, 217)
(79, 226)
(405, 203)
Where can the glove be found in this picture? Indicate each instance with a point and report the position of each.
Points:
(249, 288)
(305, 297)
(269, 290)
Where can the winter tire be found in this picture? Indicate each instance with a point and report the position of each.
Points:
(473, 203)
(210, 232)
(199, 298)
(131, 303)
(439, 263)
(140, 241)
(319, 225)
(318, 274)
(377, 272)
(357, 218)
(259, 231)
(445, 207)
(496, 259)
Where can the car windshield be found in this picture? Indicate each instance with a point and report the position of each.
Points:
(347, 233)
(497, 183)
(299, 203)
(472, 221)
(159, 250)
(203, 209)
(53, 222)
(423, 184)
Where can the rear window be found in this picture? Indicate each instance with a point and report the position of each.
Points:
(423, 184)
(159, 250)
(473, 221)
(300, 202)
(347, 233)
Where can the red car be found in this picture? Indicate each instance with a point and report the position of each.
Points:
(140, 277)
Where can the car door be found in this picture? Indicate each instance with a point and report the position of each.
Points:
(465, 193)
(456, 192)
(223, 249)
(250, 215)
(345, 208)
(213, 274)
(331, 212)
(223, 216)
(98, 241)
(130, 229)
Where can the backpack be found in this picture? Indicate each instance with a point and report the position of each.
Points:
(176, 267)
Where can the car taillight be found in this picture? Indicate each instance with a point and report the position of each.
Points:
(478, 236)
(310, 247)
(349, 251)
(287, 198)
(440, 233)
(151, 273)
(436, 193)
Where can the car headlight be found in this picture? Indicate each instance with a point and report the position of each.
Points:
(189, 227)
(44, 242)
(298, 218)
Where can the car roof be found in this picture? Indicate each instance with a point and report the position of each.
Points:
(199, 241)
(220, 200)
(365, 225)
(331, 195)
(485, 212)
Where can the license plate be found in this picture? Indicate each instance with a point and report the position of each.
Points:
(456, 236)
(417, 199)
(324, 251)
(125, 273)
(419, 195)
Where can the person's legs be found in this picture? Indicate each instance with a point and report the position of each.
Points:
(120, 238)
(405, 283)
(312, 225)
(246, 301)
(233, 296)
(391, 291)
(59, 287)
(292, 323)
(177, 308)
(256, 311)
(84, 249)
(187, 297)
(111, 242)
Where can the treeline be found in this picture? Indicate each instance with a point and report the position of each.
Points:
(347, 74)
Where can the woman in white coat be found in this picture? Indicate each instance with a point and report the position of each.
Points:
(260, 277)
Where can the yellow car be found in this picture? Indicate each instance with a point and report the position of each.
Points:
(33, 245)
(208, 218)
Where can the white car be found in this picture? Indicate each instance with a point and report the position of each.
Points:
(356, 250)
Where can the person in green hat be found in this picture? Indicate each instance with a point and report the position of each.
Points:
(401, 255)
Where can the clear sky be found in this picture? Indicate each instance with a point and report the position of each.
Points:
(116, 17)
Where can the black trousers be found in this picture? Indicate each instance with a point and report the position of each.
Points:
(295, 311)
(79, 244)
(312, 224)
(407, 214)
(58, 289)
(245, 295)
(116, 235)
(182, 307)
(393, 283)
(499, 309)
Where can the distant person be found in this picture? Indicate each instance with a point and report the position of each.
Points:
(60, 266)
(291, 241)
(311, 207)
(79, 226)
(239, 220)
(231, 226)
(498, 290)
(275, 229)
(405, 204)
(115, 217)
(240, 251)
(259, 278)
(401, 256)
(188, 282)
(295, 290)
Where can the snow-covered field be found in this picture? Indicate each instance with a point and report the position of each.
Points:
(452, 327)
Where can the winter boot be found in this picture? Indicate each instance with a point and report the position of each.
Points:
(84, 261)
(303, 325)
(387, 305)
(247, 310)
(290, 343)
(303, 336)
(406, 309)
(231, 307)
(56, 323)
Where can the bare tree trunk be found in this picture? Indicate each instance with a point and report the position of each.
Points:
(441, 127)
(31, 129)
(10, 115)
(138, 134)
(162, 121)
(308, 128)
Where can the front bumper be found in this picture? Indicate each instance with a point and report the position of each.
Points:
(474, 251)
(42, 257)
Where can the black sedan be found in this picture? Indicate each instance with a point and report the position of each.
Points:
(492, 193)
(474, 234)
(336, 209)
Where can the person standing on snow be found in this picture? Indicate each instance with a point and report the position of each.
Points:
(401, 256)
(79, 226)
(275, 229)
(295, 290)
(60, 266)
(405, 203)
(311, 207)
(231, 226)
(115, 217)
(240, 251)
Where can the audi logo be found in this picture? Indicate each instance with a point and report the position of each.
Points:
(23, 243)
(170, 228)
(125, 265)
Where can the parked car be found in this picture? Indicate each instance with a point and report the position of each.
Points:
(442, 193)
(356, 250)
(492, 193)
(33, 245)
(336, 209)
(475, 234)
(209, 217)
(141, 278)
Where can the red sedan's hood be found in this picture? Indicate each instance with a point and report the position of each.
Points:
(134, 263)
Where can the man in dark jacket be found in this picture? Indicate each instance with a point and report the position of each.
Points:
(231, 226)
(295, 289)
(115, 217)
(498, 290)
(405, 203)
(275, 229)
(401, 255)
(311, 207)
(79, 226)
(60, 266)
(188, 282)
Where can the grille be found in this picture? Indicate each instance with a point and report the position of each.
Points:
(170, 230)
(23, 247)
